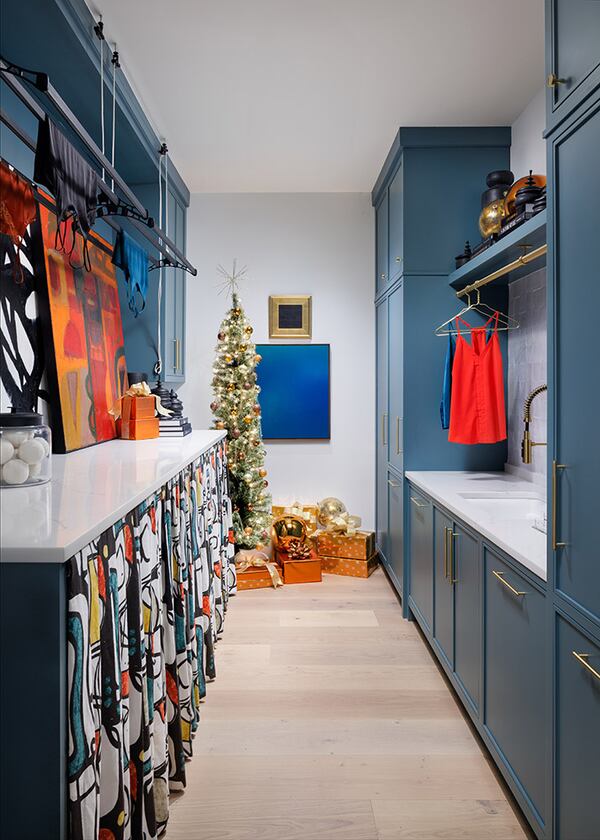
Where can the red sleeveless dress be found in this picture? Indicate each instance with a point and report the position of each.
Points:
(477, 413)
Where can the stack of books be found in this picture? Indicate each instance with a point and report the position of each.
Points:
(174, 426)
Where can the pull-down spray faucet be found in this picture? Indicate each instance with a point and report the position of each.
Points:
(527, 444)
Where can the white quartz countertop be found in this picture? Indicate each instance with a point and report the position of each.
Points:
(90, 490)
(498, 505)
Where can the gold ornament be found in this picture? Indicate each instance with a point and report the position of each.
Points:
(330, 508)
(248, 329)
(219, 424)
(228, 358)
(255, 443)
(231, 386)
(236, 311)
(259, 546)
(247, 530)
(287, 529)
(247, 419)
(243, 347)
(262, 472)
(258, 358)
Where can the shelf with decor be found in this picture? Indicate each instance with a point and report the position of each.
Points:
(507, 260)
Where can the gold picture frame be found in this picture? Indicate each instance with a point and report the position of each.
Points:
(290, 316)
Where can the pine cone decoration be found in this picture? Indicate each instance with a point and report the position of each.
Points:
(299, 550)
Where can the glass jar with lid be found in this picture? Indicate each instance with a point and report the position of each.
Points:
(25, 449)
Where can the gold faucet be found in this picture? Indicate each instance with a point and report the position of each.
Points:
(527, 444)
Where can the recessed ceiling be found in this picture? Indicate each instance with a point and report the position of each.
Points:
(307, 95)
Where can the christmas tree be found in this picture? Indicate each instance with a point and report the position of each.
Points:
(236, 409)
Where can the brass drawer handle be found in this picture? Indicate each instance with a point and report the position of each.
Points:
(446, 552)
(418, 503)
(553, 81)
(452, 560)
(500, 576)
(582, 657)
(555, 467)
(393, 483)
(383, 429)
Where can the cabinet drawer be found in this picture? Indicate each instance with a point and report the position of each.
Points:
(516, 688)
(577, 769)
(421, 555)
(395, 556)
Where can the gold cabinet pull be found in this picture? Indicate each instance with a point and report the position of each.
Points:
(418, 503)
(452, 559)
(398, 450)
(383, 429)
(177, 356)
(500, 576)
(446, 552)
(553, 81)
(393, 483)
(555, 467)
(582, 658)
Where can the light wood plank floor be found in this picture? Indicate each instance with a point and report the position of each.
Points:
(330, 720)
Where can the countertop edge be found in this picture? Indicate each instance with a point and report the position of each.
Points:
(414, 478)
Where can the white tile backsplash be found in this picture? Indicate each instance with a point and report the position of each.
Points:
(527, 349)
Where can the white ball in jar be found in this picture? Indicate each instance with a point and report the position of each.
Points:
(15, 471)
(34, 470)
(32, 451)
(7, 450)
(45, 444)
(16, 438)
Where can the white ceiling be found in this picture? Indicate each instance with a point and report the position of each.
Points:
(307, 95)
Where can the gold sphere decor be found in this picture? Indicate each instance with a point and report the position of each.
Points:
(248, 530)
(258, 358)
(286, 529)
(262, 472)
(247, 419)
(228, 359)
(248, 329)
(329, 508)
(231, 387)
(490, 220)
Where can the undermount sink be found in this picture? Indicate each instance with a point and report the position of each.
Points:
(511, 506)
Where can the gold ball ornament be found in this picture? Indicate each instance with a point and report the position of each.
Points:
(228, 359)
(219, 424)
(329, 508)
(262, 472)
(247, 419)
(247, 530)
(260, 546)
(258, 358)
(248, 329)
(243, 347)
(231, 386)
(288, 528)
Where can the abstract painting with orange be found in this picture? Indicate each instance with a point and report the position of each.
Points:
(85, 356)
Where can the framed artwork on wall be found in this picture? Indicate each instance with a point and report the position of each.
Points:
(83, 337)
(295, 391)
(290, 316)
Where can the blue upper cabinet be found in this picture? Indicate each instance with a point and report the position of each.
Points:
(396, 225)
(572, 55)
(575, 158)
(381, 239)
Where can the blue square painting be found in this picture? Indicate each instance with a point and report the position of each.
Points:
(294, 397)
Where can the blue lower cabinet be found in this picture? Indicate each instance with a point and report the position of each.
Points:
(421, 556)
(465, 572)
(516, 684)
(443, 624)
(395, 556)
(577, 767)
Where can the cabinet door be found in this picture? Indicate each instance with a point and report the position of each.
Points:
(421, 555)
(381, 243)
(574, 47)
(465, 571)
(173, 351)
(382, 427)
(577, 769)
(396, 224)
(396, 378)
(443, 625)
(577, 396)
(516, 688)
(395, 556)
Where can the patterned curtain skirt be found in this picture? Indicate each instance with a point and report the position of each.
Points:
(146, 603)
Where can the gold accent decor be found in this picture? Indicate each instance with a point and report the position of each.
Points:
(500, 576)
(277, 331)
(500, 272)
(582, 657)
(446, 552)
(555, 467)
(452, 560)
(553, 81)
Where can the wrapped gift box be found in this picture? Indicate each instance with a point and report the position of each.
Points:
(360, 546)
(138, 408)
(351, 568)
(301, 571)
(254, 578)
(306, 512)
(140, 429)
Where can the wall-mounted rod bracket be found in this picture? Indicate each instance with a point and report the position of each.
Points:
(524, 259)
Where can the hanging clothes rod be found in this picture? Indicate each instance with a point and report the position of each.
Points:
(524, 259)
(11, 74)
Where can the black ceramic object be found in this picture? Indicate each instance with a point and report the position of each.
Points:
(466, 255)
(493, 194)
(161, 391)
(527, 194)
(540, 203)
(135, 377)
(499, 178)
(175, 405)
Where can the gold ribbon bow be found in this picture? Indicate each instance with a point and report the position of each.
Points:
(140, 389)
(259, 561)
(344, 523)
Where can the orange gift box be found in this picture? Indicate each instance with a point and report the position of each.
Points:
(359, 546)
(351, 568)
(301, 571)
(138, 408)
(140, 429)
(254, 578)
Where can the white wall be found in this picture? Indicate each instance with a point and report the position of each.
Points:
(528, 149)
(317, 244)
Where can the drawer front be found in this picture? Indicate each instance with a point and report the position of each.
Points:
(395, 556)
(466, 574)
(516, 688)
(421, 554)
(443, 625)
(577, 770)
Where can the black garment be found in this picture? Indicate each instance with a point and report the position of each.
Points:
(73, 182)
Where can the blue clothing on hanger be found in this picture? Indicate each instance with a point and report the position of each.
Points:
(447, 385)
(133, 260)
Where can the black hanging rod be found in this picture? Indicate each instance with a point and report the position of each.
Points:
(11, 73)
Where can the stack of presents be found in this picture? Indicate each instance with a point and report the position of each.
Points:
(302, 551)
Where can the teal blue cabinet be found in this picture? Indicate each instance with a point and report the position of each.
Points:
(396, 224)
(572, 54)
(396, 377)
(577, 773)
(465, 573)
(443, 624)
(381, 453)
(381, 243)
(395, 556)
(576, 167)
(421, 556)
(516, 679)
